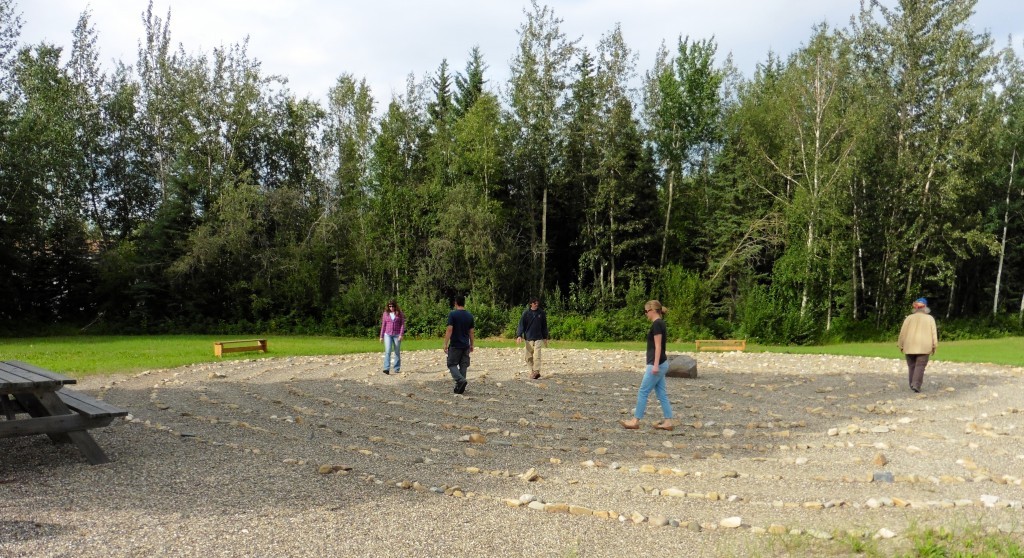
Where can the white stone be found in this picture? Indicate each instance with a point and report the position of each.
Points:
(731, 522)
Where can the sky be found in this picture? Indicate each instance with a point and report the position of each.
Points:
(313, 42)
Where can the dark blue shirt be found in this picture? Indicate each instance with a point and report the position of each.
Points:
(461, 322)
(533, 326)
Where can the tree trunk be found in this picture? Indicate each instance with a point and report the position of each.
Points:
(611, 251)
(668, 216)
(543, 241)
(952, 291)
(1002, 246)
(807, 269)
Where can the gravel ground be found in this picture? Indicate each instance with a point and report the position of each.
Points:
(325, 456)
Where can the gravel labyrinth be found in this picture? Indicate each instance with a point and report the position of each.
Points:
(326, 456)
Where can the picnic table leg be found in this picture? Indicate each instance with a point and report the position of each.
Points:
(35, 408)
(7, 406)
(85, 442)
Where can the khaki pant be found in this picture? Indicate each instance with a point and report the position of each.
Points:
(532, 354)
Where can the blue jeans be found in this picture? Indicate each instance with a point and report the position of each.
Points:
(389, 342)
(657, 383)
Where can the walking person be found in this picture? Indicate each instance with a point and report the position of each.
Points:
(654, 373)
(533, 328)
(918, 341)
(392, 328)
(458, 343)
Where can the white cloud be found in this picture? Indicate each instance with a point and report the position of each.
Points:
(312, 42)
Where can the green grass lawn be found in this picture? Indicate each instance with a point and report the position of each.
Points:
(80, 356)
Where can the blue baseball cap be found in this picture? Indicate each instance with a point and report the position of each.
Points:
(922, 301)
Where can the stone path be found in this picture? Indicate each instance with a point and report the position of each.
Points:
(815, 448)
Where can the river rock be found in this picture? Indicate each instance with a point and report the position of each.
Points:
(681, 366)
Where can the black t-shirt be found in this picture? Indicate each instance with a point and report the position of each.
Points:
(657, 327)
(461, 322)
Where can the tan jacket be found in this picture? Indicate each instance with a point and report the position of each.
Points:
(918, 335)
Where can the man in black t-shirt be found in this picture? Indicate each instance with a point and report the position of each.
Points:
(458, 343)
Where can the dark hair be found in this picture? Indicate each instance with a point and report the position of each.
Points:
(394, 303)
(460, 300)
(534, 299)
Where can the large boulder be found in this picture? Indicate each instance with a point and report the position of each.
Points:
(681, 366)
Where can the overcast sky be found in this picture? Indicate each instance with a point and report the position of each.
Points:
(312, 42)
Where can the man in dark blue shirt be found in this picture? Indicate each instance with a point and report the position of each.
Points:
(533, 327)
(458, 343)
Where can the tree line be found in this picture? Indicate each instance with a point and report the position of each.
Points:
(812, 200)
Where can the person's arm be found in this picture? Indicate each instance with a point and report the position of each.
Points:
(447, 337)
(401, 328)
(544, 326)
(382, 323)
(519, 328)
(471, 339)
(657, 353)
(935, 337)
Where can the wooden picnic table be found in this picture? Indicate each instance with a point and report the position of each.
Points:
(60, 413)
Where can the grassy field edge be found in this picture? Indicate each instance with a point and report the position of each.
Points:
(87, 355)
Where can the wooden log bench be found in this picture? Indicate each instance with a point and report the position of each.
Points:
(721, 344)
(221, 347)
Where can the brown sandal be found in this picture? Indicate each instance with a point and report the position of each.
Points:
(535, 375)
(664, 425)
(630, 426)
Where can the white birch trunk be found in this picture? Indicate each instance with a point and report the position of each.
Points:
(543, 242)
(1002, 246)
(668, 216)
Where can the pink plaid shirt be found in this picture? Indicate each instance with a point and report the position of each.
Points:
(395, 327)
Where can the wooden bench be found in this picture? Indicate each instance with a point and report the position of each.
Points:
(239, 345)
(721, 345)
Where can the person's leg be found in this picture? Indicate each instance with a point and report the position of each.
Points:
(398, 355)
(661, 392)
(454, 357)
(646, 385)
(537, 346)
(910, 370)
(460, 387)
(387, 353)
(917, 378)
(528, 354)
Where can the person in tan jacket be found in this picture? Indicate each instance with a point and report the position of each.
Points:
(918, 340)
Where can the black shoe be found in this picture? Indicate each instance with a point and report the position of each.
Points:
(460, 387)
(916, 390)
(387, 372)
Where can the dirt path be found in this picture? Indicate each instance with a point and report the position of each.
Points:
(804, 453)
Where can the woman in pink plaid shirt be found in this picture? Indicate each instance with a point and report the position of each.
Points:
(392, 328)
